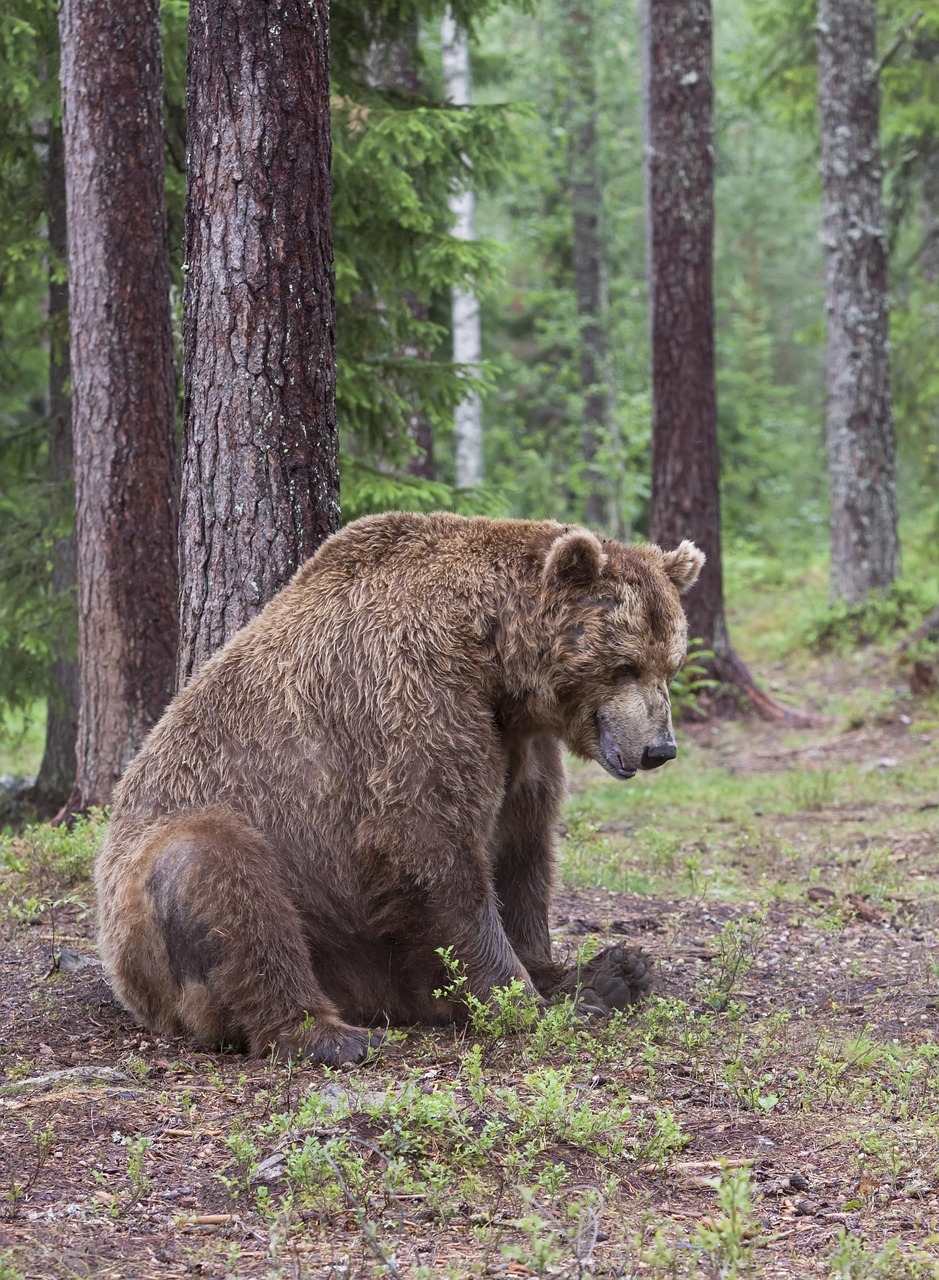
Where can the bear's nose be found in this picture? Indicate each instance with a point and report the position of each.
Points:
(660, 754)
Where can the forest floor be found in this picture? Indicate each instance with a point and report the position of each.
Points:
(772, 1111)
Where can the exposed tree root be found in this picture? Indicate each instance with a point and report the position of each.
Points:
(737, 692)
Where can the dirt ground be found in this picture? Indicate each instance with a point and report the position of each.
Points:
(773, 1111)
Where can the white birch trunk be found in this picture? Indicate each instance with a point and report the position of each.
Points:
(467, 341)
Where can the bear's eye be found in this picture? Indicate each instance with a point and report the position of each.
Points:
(626, 672)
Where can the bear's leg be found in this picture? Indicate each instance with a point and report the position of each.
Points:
(478, 940)
(523, 862)
(524, 875)
(228, 953)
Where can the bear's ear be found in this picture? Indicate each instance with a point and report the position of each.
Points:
(683, 565)
(574, 560)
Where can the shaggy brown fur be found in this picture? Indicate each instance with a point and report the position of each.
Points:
(371, 770)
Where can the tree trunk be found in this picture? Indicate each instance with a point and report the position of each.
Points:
(467, 337)
(122, 380)
(589, 266)
(865, 549)
(929, 254)
(58, 768)
(678, 101)
(260, 473)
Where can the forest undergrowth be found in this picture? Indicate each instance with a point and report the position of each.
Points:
(771, 1111)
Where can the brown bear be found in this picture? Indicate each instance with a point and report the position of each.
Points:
(371, 771)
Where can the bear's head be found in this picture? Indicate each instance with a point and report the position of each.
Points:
(617, 635)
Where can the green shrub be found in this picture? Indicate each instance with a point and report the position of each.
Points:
(841, 626)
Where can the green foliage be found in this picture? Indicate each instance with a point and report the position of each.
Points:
(41, 1142)
(48, 861)
(508, 1011)
(914, 340)
(841, 626)
(773, 77)
(692, 681)
(9, 1268)
(399, 152)
(137, 1149)
(394, 164)
(29, 108)
(31, 616)
(852, 1259)
(737, 944)
(534, 418)
(727, 1244)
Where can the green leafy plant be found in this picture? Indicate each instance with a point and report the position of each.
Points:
(138, 1148)
(737, 943)
(40, 1143)
(726, 1244)
(841, 626)
(509, 1011)
(692, 681)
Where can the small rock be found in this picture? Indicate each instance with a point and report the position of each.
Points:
(272, 1169)
(882, 762)
(71, 961)
(797, 1182)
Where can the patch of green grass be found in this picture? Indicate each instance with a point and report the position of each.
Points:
(702, 829)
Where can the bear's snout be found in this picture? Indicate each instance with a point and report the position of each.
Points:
(658, 755)
(612, 751)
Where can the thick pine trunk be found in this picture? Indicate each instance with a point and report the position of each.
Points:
(679, 104)
(589, 266)
(467, 332)
(57, 770)
(865, 549)
(260, 484)
(122, 380)
(678, 101)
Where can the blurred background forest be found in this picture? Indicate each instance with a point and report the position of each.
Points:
(540, 76)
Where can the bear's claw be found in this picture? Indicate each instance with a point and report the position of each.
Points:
(329, 1046)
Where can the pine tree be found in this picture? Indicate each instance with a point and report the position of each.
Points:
(260, 479)
(584, 182)
(678, 103)
(122, 380)
(865, 548)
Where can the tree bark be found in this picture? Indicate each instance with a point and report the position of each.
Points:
(678, 101)
(865, 549)
(929, 254)
(57, 770)
(260, 484)
(467, 334)
(586, 196)
(122, 380)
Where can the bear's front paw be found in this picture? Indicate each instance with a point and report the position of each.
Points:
(614, 979)
(327, 1044)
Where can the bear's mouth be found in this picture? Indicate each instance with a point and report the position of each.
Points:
(610, 756)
